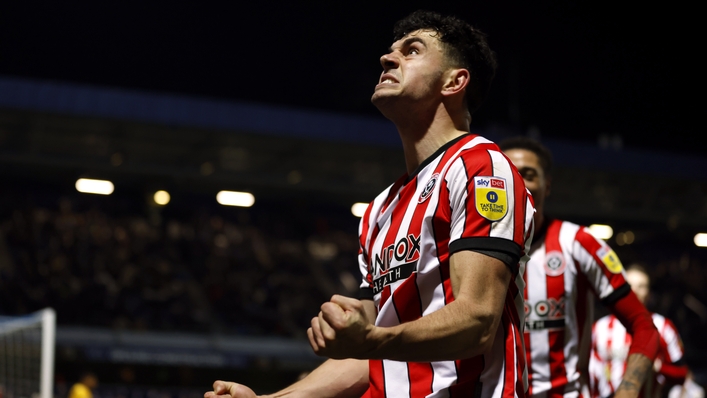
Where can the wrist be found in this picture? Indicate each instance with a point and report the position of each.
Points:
(377, 342)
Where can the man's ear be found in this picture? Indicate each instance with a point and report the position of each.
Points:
(548, 186)
(457, 80)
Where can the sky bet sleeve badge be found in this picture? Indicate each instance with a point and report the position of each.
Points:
(610, 259)
(491, 198)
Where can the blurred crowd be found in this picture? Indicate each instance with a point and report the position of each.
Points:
(258, 271)
(254, 271)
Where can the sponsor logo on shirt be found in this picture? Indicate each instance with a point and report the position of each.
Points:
(393, 275)
(545, 314)
(396, 262)
(490, 197)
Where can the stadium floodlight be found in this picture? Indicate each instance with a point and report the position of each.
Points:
(701, 239)
(359, 209)
(235, 198)
(98, 187)
(161, 197)
(601, 231)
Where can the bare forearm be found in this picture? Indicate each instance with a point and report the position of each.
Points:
(334, 378)
(638, 369)
(450, 333)
(461, 329)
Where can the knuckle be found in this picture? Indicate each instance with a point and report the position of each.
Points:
(330, 336)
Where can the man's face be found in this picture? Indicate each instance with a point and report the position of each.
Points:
(639, 284)
(411, 70)
(528, 165)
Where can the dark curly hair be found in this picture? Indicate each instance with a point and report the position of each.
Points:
(464, 47)
(521, 142)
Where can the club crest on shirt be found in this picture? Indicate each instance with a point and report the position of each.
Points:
(554, 263)
(427, 191)
(610, 259)
(490, 197)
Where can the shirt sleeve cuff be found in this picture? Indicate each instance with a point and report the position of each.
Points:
(505, 250)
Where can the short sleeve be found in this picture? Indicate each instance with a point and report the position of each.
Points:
(602, 267)
(489, 207)
(672, 340)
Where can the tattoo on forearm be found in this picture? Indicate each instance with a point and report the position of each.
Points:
(629, 385)
(637, 370)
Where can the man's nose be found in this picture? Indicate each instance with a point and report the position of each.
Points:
(389, 61)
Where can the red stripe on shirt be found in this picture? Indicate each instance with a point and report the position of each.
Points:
(556, 291)
(514, 358)
(421, 377)
(476, 226)
(376, 379)
(582, 317)
(526, 335)
(609, 342)
(518, 336)
(440, 222)
(468, 372)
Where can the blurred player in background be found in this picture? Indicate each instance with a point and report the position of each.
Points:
(568, 266)
(85, 386)
(441, 250)
(610, 345)
(689, 389)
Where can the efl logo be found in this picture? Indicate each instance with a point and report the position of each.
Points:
(490, 197)
(610, 259)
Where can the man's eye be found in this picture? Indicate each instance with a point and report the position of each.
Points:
(413, 51)
(528, 175)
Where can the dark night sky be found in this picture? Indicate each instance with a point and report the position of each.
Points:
(574, 70)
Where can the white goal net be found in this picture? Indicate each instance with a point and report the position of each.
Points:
(27, 355)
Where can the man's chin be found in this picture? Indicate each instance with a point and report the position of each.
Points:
(380, 98)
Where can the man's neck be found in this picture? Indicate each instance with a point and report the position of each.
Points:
(539, 221)
(421, 136)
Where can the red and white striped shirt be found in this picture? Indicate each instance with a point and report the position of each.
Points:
(610, 346)
(567, 267)
(466, 196)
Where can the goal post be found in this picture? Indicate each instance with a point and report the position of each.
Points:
(46, 375)
(27, 355)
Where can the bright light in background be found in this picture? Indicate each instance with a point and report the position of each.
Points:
(161, 197)
(233, 198)
(601, 231)
(701, 240)
(99, 187)
(359, 209)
